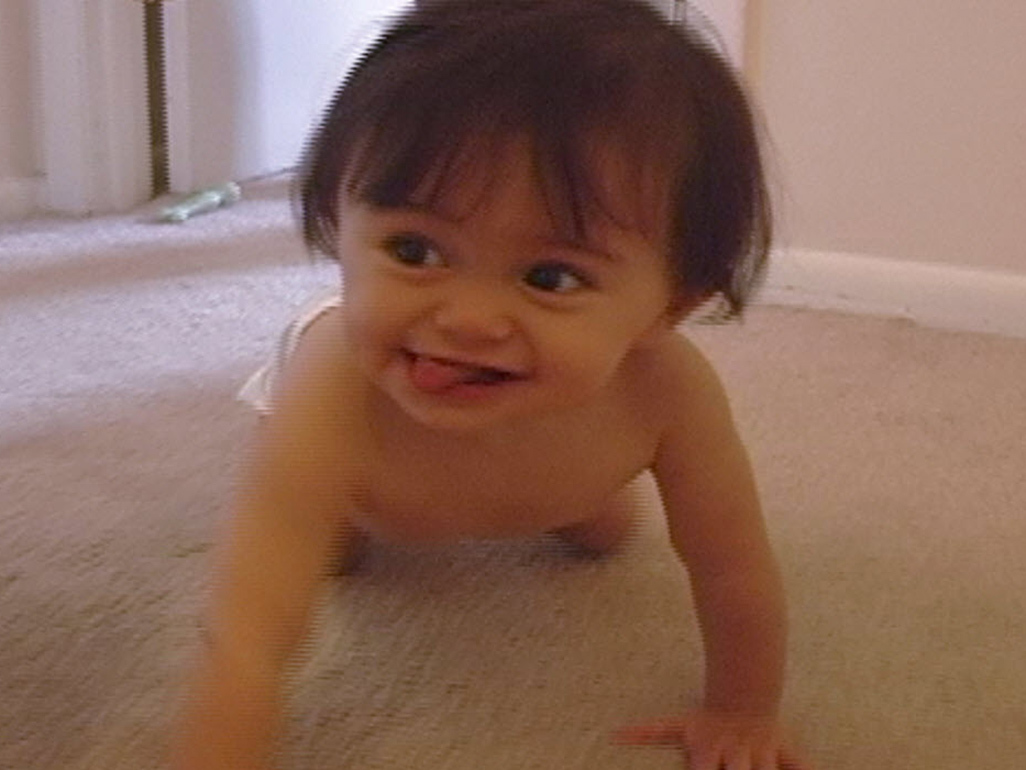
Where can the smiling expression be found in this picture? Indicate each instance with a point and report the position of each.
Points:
(475, 312)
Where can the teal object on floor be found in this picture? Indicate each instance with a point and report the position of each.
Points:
(202, 202)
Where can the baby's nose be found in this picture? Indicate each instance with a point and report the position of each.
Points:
(473, 315)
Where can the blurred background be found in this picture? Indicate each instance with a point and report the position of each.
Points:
(896, 131)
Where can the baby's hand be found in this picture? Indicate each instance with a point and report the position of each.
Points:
(713, 741)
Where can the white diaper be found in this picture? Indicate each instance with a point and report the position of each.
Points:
(259, 388)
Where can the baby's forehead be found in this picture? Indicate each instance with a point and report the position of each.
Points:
(578, 199)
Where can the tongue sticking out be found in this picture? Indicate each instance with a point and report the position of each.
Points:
(435, 376)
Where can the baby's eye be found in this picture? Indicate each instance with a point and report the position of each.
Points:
(413, 250)
(557, 278)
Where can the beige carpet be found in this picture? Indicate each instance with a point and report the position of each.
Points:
(892, 461)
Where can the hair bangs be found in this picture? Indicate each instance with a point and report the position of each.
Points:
(589, 162)
(629, 119)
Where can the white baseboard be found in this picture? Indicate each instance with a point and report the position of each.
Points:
(930, 294)
(19, 197)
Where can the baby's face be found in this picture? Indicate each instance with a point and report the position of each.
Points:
(477, 313)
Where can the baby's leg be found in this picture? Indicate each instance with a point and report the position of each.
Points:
(607, 532)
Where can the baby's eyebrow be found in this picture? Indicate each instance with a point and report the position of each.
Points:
(586, 248)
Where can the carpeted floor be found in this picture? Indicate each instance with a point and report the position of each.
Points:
(892, 461)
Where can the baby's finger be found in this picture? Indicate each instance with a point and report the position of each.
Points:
(711, 759)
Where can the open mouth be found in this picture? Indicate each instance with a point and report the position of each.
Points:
(441, 374)
(486, 374)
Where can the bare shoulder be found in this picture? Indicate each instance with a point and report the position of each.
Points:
(314, 373)
(306, 439)
(681, 383)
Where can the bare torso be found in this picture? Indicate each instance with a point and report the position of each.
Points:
(419, 485)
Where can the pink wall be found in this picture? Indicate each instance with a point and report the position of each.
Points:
(899, 127)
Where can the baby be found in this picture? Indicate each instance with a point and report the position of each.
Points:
(525, 198)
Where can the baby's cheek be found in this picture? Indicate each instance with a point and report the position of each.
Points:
(584, 368)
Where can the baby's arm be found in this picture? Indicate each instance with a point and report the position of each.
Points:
(286, 528)
(716, 528)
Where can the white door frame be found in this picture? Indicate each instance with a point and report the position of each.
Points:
(179, 99)
(94, 137)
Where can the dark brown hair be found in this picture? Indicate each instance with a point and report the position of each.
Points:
(579, 78)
